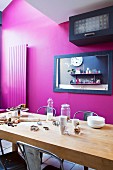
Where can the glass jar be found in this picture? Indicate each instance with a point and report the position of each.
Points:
(65, 110)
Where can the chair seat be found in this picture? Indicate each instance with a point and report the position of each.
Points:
(12, 161)
(50, 167)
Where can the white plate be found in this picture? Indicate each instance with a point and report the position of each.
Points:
(96, 126)
(25, 110)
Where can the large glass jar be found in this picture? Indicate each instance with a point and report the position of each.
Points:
(65, 110)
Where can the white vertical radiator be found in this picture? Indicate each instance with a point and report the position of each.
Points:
(17, 75)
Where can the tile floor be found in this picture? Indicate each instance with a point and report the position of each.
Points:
(7, 146)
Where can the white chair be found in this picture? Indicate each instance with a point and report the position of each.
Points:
(44, 109)
(32, 156)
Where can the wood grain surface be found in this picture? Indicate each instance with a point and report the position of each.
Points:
(92, 147)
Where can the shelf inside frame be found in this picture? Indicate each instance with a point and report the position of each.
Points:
(85, 83)
(72, 74)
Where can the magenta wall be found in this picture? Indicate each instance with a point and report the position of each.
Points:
(24, 24)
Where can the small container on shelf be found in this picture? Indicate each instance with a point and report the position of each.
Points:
(87, 71)
(98, 81)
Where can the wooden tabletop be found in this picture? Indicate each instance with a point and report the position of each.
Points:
(92, 147)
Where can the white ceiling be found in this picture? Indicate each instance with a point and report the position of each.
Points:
(60, 10)
(4, 4)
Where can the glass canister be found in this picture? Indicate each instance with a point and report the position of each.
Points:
(65, 110)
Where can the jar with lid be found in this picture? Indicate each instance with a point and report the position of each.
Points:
(65, 110)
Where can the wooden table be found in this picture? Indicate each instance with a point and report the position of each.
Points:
(92, 147)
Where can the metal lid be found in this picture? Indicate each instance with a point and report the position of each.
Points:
(65, 105)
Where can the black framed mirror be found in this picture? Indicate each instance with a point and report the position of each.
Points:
(89, 73)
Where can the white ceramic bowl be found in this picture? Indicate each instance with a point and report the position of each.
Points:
(95, 121)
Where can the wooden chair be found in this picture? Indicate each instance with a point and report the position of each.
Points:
(32, 156)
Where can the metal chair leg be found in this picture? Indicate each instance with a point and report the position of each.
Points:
(1, 146)
(85, 168)
(41, 155)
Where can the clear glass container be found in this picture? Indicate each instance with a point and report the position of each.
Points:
(65, 110)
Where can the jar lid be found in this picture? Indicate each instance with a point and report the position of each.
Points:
(65, 105)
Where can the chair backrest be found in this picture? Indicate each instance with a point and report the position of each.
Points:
(44, 109)
(85, 114)
(32, 156)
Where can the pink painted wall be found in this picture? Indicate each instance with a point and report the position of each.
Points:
(24, 24)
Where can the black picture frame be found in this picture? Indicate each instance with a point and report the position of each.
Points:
(100, 60)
